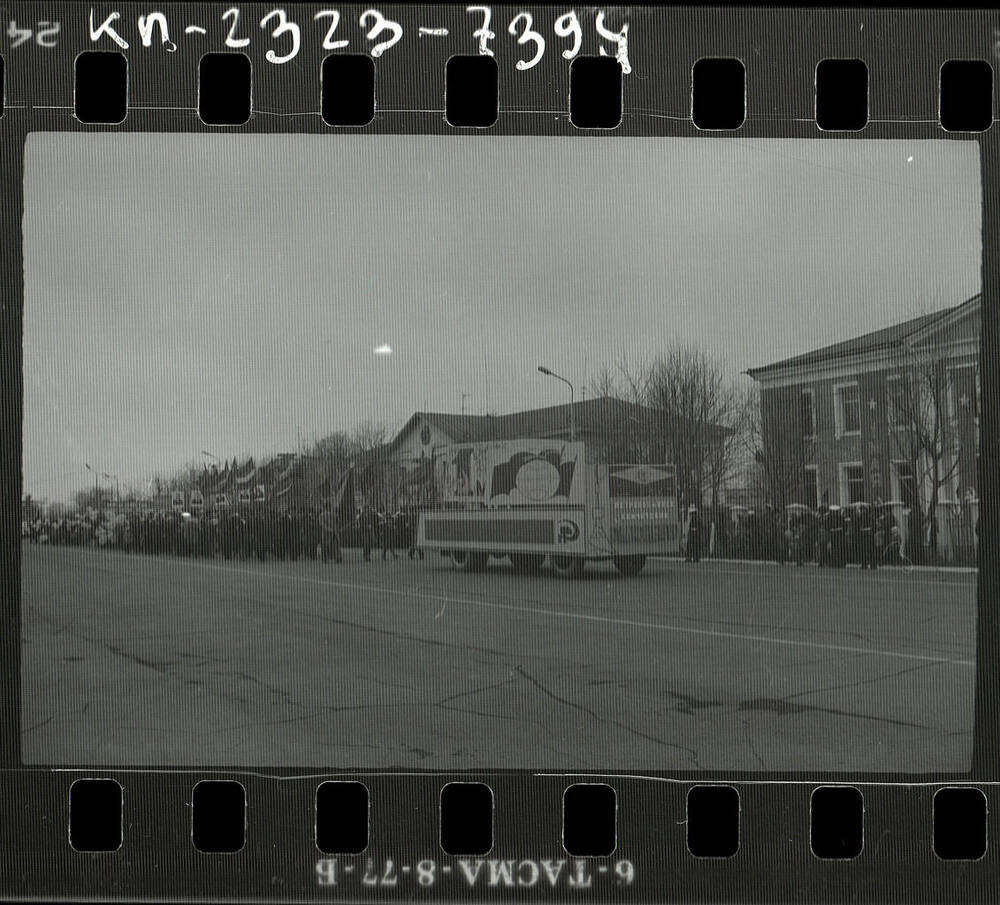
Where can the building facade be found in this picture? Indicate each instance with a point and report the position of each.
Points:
(892, 415)
(615, 431)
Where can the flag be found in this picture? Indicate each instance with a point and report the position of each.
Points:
(247, 476)
(222, 482)
(965, 402)
(343, 499)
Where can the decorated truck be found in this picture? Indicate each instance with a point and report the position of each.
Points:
(528, 500)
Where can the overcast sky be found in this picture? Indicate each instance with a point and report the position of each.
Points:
(224, 293)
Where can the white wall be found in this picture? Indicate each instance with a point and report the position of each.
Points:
(410, 446)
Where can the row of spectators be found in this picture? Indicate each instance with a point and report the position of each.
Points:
(255, 533)
(830, 536)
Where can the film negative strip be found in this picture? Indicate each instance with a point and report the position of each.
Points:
(478, 451)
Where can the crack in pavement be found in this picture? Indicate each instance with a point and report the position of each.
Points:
(652, 738)
(495, 716)
(780, 707)
(464, 694)
(860, 682)
(44, 722)
(280, 692)
(750, 744)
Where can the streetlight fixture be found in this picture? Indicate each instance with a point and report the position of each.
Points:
(572, 417)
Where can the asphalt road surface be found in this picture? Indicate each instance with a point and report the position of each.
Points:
(130, 660)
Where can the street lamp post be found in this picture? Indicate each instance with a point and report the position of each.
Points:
(118, 489)
(97, 490)
(572, 416)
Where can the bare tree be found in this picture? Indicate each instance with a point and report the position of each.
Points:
(187, 477)
(687, 406)
(369, 436)
(363, 448)
(379, 479)
(774, 438)
(701, 402)
(90, 498)
(56, 510)
(725, 447)
(924, 432)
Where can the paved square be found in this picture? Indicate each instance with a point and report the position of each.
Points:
(133, 660)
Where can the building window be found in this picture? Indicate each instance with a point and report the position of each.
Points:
(898, 415)
(847, 402)
(853, 484)
(808, 414)
(907, 482)
(810, 486)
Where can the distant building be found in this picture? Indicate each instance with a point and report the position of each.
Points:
(612, 427)
(614, 430)
(890, 415)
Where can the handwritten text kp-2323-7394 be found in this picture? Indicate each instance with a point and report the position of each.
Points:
(374, 31)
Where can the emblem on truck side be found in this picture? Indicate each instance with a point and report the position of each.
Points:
(537, 476)
(567, 531)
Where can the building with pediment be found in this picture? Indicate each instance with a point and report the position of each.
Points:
(891, 415)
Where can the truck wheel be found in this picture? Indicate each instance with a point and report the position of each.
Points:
(526, 563)
(567, 566)
(630, 565)
(468, 560)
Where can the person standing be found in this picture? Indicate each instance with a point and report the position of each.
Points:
(865, 522)
(693, 552)
(823, 537)
(412, 523)
(891, 551)
(776, 535)
(798, 538)
(330, 534)
(367, 525)
(838, 538)
(385, 522)
(291, 529)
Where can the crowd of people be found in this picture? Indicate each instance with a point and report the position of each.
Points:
(253, 532)
(832, 536)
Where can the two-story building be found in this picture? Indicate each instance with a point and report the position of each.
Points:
(888, 415)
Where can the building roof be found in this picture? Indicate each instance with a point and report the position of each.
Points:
(877, 340)
(598, 415)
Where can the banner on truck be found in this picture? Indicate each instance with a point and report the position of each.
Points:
(643, 503)
(511, 473)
